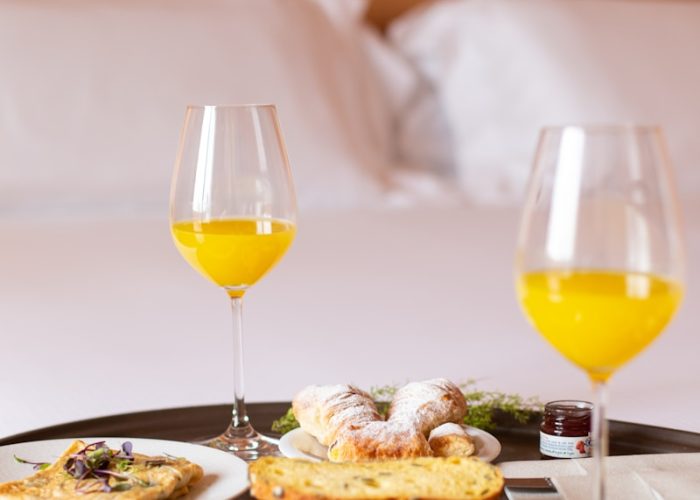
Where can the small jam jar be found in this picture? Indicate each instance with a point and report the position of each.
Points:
(566, 429)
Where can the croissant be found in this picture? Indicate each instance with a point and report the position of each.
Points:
(323, 411)
(451, 440)
(379, 441)
(346, 419)
(428, 404)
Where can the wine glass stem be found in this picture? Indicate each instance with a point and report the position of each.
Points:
(240, 417)
(600, 438)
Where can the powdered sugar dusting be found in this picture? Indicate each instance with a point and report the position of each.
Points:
(448, 429)
(428, 404)
(379, 440)
(323, 411)
(346, 418)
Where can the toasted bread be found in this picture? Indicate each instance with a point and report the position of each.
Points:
(417, 478)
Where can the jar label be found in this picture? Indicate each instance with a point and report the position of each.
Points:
(565, 447)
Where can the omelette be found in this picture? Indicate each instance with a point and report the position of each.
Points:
(93, 472)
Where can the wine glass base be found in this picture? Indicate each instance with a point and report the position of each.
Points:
(245, 443)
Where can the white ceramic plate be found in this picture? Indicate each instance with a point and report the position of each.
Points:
(299, 444)
(225, 476)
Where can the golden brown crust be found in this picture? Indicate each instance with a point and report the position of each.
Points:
(429, 404)
(265, 492)
(379, 441)
(453, 445)
(416, 409)
(33, 486)
(451, 440)
(324, 411)
(424, 478)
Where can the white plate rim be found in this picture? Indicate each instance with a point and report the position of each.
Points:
(488, 447)
(225, 475)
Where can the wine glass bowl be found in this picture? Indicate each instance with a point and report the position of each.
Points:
(233, 253)
(599, 261)
(599, 245)
(598, 319)
(233, 217)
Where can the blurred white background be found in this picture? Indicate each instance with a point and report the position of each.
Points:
(410, 150)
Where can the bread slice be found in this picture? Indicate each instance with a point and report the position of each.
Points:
(417, 478)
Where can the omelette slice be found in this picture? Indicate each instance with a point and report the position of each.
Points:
(94, 472)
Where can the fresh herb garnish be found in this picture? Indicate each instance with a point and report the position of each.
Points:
(285, 423)
(90, 466)
(95, 464)
(482, 405)
(35, 465)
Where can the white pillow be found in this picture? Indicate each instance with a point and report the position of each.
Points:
(93, 94)
(503, 69)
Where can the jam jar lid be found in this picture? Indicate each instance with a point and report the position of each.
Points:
(569, 408)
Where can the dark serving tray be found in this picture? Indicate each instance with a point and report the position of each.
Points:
(520, 441)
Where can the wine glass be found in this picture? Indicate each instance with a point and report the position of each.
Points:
(599, 263)
(232, 217)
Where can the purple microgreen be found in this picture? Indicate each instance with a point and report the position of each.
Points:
(35, 465)
(124, 457)
(77, 467)
(80, 469)
(91, 446)
(98, 458)
(109, 473)
(90, 466)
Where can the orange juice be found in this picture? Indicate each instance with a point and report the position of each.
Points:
(598, 319)
(233, 253)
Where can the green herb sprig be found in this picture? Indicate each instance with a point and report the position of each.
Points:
(482, 407)
(484, 404)
(93, 467)
(35, 465)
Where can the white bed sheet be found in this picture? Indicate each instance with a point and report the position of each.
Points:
(102, 316)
